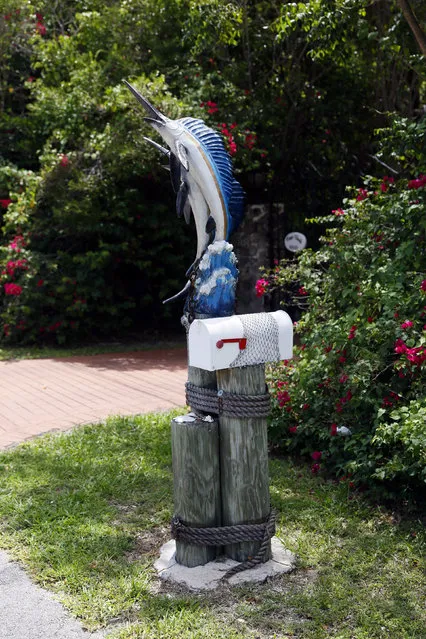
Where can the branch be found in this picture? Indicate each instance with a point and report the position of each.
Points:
(414, 24)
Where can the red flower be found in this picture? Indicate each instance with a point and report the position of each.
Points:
(407, 324)
(338, 212)
(370, 319)
(232, 148)
(417, 183)
(343, 379)
(40, 283)
(362, 195)
(352, 332)
(302, 291)
(292, 429)
(41, 29)
(64, 161)
(260, 287)
(400, 346)
(5, 203)
(333, 429)
(316, 455)
(17, 243)
(12, 289)
(342, 359)
(315, 468)
(283, 398)
(12, 265)
(422, 285)
(305, 406)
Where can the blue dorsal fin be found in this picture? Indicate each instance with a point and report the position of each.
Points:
(236, 206)
(213, 145)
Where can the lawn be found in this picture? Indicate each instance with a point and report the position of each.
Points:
(97, 348)
(86, 513)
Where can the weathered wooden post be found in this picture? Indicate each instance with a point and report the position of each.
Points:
(196, 482)
(196, 474)
(244, 460)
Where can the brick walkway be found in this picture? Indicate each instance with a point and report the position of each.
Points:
(40, 395)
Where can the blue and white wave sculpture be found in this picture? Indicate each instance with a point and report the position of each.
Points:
(216, 282)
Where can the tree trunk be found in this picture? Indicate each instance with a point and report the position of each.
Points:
(414, 24)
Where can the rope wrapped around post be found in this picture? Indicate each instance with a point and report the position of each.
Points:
(224, 535)
(221, 402)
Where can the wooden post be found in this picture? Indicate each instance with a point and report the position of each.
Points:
(196, 479)
(244, 460)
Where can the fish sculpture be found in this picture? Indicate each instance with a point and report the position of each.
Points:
(201, 175)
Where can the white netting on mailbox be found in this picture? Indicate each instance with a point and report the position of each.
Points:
(262, 333)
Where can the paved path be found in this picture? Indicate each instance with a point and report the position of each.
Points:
(30, 612)
(40, 395)
(44, 394)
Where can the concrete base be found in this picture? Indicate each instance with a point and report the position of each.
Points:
(208, 577)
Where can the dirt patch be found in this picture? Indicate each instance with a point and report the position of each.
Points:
(259, 611)
(148, 544)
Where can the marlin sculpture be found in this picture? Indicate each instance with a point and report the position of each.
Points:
(201, 174)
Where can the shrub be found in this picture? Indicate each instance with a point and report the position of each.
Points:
(90, 240)
(353, 397)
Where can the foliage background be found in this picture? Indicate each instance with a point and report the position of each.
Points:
(297, 90)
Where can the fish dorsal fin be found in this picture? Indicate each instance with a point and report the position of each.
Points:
(212, 144)
(181, 153)
(236, 205)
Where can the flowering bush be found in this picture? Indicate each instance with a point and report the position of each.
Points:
(88, 240)
(353, 396)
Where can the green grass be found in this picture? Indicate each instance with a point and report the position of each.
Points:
(43, 352)
(87, 511)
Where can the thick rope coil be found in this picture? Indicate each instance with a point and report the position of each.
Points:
(259, 557)
(224, 535)
(221, 402)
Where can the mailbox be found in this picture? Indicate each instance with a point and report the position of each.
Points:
(240, 340)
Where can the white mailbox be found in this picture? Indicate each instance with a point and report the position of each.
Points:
(240, 340)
